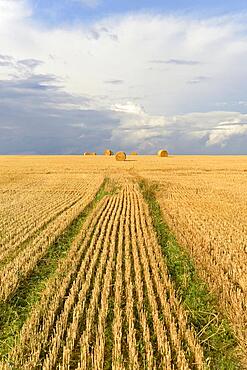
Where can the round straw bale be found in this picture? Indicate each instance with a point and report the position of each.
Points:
(162, 153)
(133, 153)
(108, 152)
(120, 156)
(90, 153)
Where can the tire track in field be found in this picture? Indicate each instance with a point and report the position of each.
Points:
(113, 282)
(55, 298)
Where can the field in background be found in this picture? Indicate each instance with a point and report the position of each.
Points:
(108, 298)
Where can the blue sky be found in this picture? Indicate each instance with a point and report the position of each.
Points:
(70, 9)
(53, 11)
(83, 74)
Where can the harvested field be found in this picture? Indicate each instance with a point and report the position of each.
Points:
(204, 201)
(87, 277)
(80, 303)
(33, 213)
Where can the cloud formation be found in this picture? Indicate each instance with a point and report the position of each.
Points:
(203, 133)
(66, 89)
(39, 117)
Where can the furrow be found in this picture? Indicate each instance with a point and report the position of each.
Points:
(36, 329)
(97, 355)
(159, 327)
(161, 292)
(88, 325)
(79, 288)
(129, 308)
(117, 356)
(150, 362)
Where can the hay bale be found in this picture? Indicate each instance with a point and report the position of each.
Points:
(120, 156)
(108, 152)
(162, 153)
(133, 153)
(90, 153)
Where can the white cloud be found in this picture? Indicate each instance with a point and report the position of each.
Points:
(128, 107)
(222, 133)
(121, 47)
(213, 128)
(193, 69)
(13, 11)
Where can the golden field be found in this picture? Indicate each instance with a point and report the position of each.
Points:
(105, 298)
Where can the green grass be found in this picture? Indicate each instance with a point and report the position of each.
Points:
(14, 312)
(212, 328)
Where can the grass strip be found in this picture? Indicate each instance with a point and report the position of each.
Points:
(14, 312)
(213, 330)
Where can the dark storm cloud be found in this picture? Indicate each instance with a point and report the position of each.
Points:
(38, 117)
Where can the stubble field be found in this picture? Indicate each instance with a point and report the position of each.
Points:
(123, 265)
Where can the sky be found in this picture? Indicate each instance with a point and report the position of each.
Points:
(85, 75)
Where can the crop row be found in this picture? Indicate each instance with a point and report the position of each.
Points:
(40, 237)
(110, 303)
